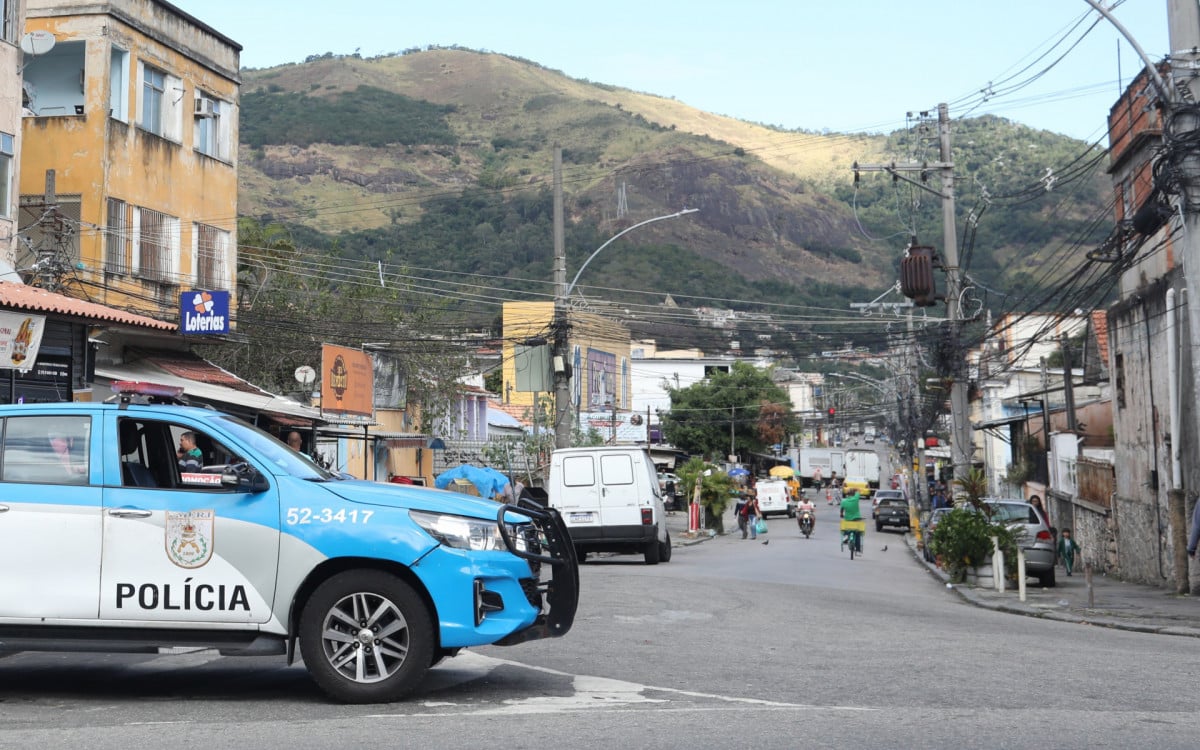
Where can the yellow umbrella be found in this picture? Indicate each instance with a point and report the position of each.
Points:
(782, 471)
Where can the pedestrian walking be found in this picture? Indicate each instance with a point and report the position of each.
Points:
(739, 512)
(751, 512)
(1067, 549)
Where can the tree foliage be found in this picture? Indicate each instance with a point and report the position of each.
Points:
(703, 415)
(716, 489)
(366, 116)
(286, 314)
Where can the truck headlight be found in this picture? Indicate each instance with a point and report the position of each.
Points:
(462, 532)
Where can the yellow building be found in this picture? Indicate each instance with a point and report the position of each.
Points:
(134, 108)
(11, 24)
(598, 353)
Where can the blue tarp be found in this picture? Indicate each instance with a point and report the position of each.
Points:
(489, 482)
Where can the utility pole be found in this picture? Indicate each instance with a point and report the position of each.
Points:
(561, 326)
(961, 445)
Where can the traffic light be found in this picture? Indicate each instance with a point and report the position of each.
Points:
(832, 411)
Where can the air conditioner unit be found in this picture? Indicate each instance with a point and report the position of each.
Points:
(205, 107)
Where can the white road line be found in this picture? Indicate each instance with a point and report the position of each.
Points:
(594, 693)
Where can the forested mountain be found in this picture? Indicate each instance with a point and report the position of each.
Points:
(441, 159)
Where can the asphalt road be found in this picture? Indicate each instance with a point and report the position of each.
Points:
(732, 644)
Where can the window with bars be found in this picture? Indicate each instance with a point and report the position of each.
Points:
(116, 237)
(210, 259)
(156, 240)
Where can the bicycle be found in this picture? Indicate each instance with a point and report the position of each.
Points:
(852, 535)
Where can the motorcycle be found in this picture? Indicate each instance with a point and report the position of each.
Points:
(806, 521)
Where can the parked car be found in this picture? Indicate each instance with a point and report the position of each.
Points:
(609, 498)
(881, 495)
(1036, 542)
(892, 511)
(931, 522)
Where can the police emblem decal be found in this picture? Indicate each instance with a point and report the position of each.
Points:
(190, 537)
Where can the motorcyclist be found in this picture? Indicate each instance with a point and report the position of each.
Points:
(806, 506)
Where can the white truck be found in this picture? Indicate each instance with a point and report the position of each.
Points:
(865, 464)
(828, 460)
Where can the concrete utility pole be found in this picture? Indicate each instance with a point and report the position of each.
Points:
(961, 445)
(561, 326)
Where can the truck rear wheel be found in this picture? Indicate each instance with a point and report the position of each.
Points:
(653, 553)
(664, 550)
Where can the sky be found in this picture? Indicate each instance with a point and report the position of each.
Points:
(842, 65)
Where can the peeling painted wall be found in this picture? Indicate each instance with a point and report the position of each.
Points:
(98, 156)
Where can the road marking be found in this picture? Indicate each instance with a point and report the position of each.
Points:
(594, 693)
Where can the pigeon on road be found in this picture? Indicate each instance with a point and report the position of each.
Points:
(767, 541)
(884, 548)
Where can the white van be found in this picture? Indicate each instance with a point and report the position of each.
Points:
(774, 498)
(610, 500)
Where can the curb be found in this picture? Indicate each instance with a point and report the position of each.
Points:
(1098, 620)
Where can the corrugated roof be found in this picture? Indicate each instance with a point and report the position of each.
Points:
(204, 371)
(33, 299)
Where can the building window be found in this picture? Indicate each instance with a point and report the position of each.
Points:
(154, 88)
(210, 258)
(116, 237)
(118, 85)
(213, 118)
(6, 175)
(53, 82)
(11, 29)
(156, 245)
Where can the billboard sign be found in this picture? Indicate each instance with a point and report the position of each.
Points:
(347, 383)
(202, 312)
(20, 338)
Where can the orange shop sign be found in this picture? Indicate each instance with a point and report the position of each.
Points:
(347, 382)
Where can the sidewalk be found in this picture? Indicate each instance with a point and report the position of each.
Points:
(1114, 604)
(677, 525)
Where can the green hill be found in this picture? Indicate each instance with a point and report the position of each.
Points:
(441, 159)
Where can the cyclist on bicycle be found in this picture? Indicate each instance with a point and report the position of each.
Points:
(851, 512)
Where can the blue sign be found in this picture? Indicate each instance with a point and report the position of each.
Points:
(203, 312)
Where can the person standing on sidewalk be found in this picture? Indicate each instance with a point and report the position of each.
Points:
(1067, 548)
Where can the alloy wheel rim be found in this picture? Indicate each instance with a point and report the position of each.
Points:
(365, 637)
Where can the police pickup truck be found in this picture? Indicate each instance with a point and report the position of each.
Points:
(140, 527)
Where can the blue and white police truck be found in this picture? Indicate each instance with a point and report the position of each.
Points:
(144, 525)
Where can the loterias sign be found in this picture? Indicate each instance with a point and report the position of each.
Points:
(203, 312)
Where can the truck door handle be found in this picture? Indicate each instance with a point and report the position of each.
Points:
(3, 508)
(130, 513)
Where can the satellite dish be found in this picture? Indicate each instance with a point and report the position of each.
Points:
(305, 375)
(37, 42)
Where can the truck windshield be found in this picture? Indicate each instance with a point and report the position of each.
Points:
(267, 447)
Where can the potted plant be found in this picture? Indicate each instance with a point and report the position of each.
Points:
(715, 489)
(962, 541)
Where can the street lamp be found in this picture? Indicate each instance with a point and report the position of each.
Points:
(562, 291)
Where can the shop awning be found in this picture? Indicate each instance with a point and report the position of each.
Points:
(245, 396)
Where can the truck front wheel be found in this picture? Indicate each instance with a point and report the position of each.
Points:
(366, 637)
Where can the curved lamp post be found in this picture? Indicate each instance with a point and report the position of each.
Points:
(609, 241)
(562, 426)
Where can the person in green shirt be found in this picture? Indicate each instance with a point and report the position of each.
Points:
(851, 512)
(850, 509)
